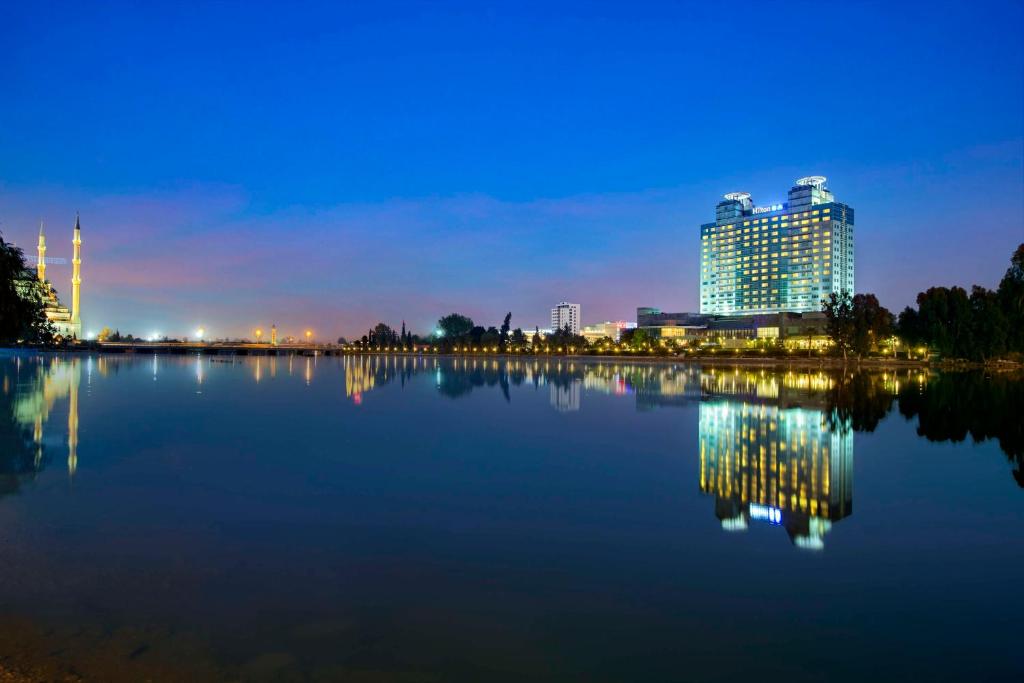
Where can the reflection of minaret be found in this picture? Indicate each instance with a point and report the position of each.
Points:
(37, 438)
(41, 260)
(76, 279)
(73, 420)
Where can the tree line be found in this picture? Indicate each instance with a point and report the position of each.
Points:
(979, 326)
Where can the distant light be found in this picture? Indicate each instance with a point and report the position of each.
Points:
(154, 337)
(90, 335)
(200, 333)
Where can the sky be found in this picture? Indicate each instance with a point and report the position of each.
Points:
(327, 166)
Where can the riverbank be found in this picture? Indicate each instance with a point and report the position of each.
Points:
(788, 361)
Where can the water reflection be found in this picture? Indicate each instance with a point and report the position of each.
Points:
(774, 446)
(389, 537)
(781, 466)
(34, 390)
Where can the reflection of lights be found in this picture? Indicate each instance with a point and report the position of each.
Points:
(766, 513)
(738, 523)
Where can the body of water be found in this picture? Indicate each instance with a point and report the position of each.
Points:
(436, 519)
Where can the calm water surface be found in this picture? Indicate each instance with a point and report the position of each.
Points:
(400, 519)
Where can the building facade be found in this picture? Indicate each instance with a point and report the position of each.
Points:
(566, 314)
(612, 330)
(784, 257)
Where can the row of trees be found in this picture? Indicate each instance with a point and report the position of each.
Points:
(978, 326)
(981, 325)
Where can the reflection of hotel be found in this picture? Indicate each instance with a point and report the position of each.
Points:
(780, 466)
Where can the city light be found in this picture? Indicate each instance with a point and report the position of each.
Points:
(200, 333)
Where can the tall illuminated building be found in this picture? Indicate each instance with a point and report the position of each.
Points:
(782, 257)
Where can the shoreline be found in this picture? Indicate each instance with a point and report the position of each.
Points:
(724, 359)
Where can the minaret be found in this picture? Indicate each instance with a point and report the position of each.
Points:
(41, 262)
(76, 277)
(273, 335)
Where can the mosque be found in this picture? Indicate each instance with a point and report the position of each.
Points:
(66, 323)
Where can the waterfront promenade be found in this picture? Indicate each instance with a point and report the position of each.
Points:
(749, 358)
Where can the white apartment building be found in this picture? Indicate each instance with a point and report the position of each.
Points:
(566, 314)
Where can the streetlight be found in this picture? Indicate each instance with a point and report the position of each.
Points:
(259, 333)
(200, 333)
(309, 335)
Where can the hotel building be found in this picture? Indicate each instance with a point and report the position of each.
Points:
(784, 257)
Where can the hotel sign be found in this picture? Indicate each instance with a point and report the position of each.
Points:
(769, 209)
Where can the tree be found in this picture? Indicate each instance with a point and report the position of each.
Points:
(838, 309)
(989, 326)
(518, 338)
(1011, 300)
(536, 338)
(455, 325)
(640, 339)
(22, 299)
(505, 326)
(382, 336)
(908, 327)
(944, 315)
(490, 338)
(872, 323)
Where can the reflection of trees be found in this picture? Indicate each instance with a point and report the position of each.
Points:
(21, 453)
(859, 400)
(18, 461)
(949, 407)
(460, 381)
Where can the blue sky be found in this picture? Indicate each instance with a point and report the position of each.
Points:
(328, 166)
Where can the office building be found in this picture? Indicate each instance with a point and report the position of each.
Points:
(784, 257)
(566, 314)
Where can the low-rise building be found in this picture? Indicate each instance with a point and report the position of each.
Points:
(792, 330)
(612, 330)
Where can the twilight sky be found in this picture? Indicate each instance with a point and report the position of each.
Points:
(323, 166)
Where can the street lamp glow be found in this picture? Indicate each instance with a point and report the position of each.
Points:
(200, 333)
